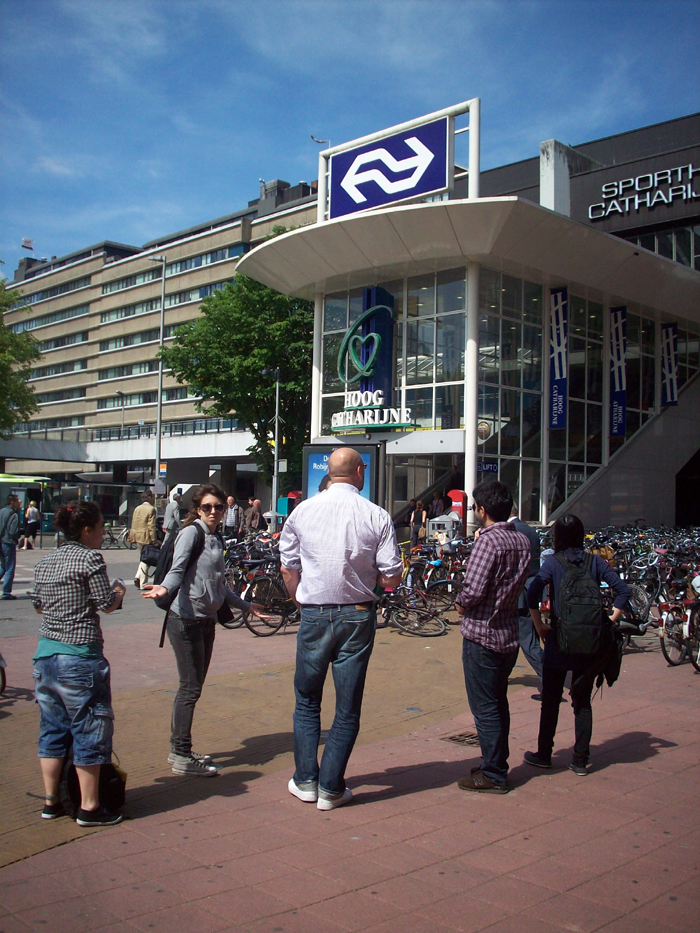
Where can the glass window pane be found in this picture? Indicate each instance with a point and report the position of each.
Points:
(449, 363)
(419, 352)
(632, 423)
(648, 241)
(683, 248)
(594, 431)
(682, 374)
(510, 422)
(665, 244)
(510, 353)
(595, 320)
(509, 473)
(577, 431)
(648, 382)
(556, 487)
(395, 289)
(329, 406)
(489, 290)
(489, 348)
(420, 401)
(693, 351)
(532, 424)
(633, 379)
(533, 302)
(594, 374)
(577, 477)
(449, 407)
(682, 345)
(633, 330)
(331, 348)
(355, 305)
(512, 296)
(577, 367)
(399, 354)
(557, 444)
(489, 419)
(532, 357)
(530, 492)
(335, 315)
(421, 295)
(648, 336)
(577, 316)
(451, 291)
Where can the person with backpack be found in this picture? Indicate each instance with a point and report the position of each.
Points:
(580, 632)
(196, 576)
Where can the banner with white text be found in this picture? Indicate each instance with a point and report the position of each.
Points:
(558, 329)
(618, 371)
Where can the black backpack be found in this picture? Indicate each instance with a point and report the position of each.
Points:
(165, 562)
(583, 628)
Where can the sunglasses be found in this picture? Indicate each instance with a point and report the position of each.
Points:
(208, 507)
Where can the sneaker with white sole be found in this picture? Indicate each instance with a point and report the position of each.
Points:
(207, 759)
(333, 801)
(308, 794)
(187, 764)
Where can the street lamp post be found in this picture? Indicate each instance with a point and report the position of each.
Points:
(159, 416)
(122, 397)
(275, 475)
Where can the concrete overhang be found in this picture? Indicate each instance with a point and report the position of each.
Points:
(514, 235)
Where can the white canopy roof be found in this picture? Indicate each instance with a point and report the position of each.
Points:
(515, 235)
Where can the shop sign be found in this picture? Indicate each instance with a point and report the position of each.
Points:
(397, 167)
(486, 466)
(618, 371)
(366, 410)
(669, 364)
(558, 324)
(646, 191)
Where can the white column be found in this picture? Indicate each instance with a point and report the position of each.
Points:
(316, 374)
(471, 384)
(474, 147)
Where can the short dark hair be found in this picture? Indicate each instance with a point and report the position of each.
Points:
(495, 499)
(72, 517)
(145, 496)
(568, 532)
(13, 497)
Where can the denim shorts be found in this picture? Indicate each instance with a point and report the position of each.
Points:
(75, 702)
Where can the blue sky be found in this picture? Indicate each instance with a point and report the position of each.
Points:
(126, 120)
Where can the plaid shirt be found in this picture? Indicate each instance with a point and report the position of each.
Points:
(496, 574)
(70, 585)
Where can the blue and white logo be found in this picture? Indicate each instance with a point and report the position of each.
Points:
(409, 164)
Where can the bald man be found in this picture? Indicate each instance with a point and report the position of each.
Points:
(336, 549)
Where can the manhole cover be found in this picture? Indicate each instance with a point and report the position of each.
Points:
(462, 738)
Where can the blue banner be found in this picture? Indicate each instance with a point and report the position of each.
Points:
(669, 364)
(618, 371)
(558, 335)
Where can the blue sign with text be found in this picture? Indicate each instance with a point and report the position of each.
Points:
(618, 371)
(407, 165)
(558, 337)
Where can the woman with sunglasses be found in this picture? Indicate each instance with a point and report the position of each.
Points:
(201, 592)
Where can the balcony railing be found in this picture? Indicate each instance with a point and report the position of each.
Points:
(134, 431)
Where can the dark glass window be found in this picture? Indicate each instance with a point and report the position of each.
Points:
(331, 348)
(512, 296)
(451, 291)
(489, 285)
(511, 342)
(532, 302)
(577, 367)
(594, 432)
(489, 420)
(449, 406)
(510, 422)
(577, 316)
(577, 431)
(532, 420)
(684, 253)
(532, 358)
(595, 372)
(450, 348)
(336, 312)
(489, 348)
(421, 295)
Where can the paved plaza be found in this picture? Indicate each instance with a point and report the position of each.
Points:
(617, 851)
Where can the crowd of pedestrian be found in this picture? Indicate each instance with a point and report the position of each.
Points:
(338, 553)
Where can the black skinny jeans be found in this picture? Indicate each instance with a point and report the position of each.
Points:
(552, 692)
(193, 643)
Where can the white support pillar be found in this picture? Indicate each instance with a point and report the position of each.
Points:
(474, 147)
(316, 373)
(471, 385)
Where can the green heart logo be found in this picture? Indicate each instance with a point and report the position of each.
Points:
(356, 346)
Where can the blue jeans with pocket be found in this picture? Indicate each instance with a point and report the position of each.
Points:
(486, 674)
(75, 704)
(341, 637)
(9, 560)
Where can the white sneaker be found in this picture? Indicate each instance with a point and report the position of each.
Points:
(308, 796)
(207, 759)
(328, 802)
(187, 764)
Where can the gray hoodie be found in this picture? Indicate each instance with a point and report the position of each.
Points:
(202, 588)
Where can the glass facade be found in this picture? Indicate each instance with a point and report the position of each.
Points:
(429, 352)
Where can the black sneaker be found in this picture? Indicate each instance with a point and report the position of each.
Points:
(581, 770)
(52, 810)
(532, 758)
(99, 817)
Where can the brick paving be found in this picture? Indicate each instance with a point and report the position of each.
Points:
(617, 851)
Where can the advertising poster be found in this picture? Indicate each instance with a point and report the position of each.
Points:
(558, 330)
(618, 371)
(317, 470)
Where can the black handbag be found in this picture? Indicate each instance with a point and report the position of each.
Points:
(150, 554)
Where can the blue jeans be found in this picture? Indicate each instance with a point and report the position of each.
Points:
(486, 675)
(9, 558)
(75, 704)
(530, 643)
(341, 636)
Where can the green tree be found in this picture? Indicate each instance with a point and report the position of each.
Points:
(243, 329)
(17, 353)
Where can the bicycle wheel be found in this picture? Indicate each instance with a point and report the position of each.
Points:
(671, 637)
(693, 641)
(639, 600)
(418, 622)
(441, 598)
(231, 581)
(125, 542)
(268, 593)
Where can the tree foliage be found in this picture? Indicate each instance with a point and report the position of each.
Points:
(17, 353)
(243, 329)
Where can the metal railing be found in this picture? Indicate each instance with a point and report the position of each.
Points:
(135, 431)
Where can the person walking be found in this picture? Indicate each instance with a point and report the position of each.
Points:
(233, 519)
(31, 527)
(71, 674)
(335, 550)
(191, 620)
(172, 523)
(9, 536)
(417, 521)
(254, 518)
(488, 604)
(143, 532)
(529, 639)
(568, 538)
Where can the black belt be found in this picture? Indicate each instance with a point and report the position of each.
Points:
(338, 605)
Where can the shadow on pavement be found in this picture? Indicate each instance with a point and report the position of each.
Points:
(11, 696)
(167, 794)
(257, 750)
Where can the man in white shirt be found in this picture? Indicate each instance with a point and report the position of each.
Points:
(336, 548)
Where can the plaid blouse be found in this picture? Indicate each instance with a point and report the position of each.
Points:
(70, 585)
